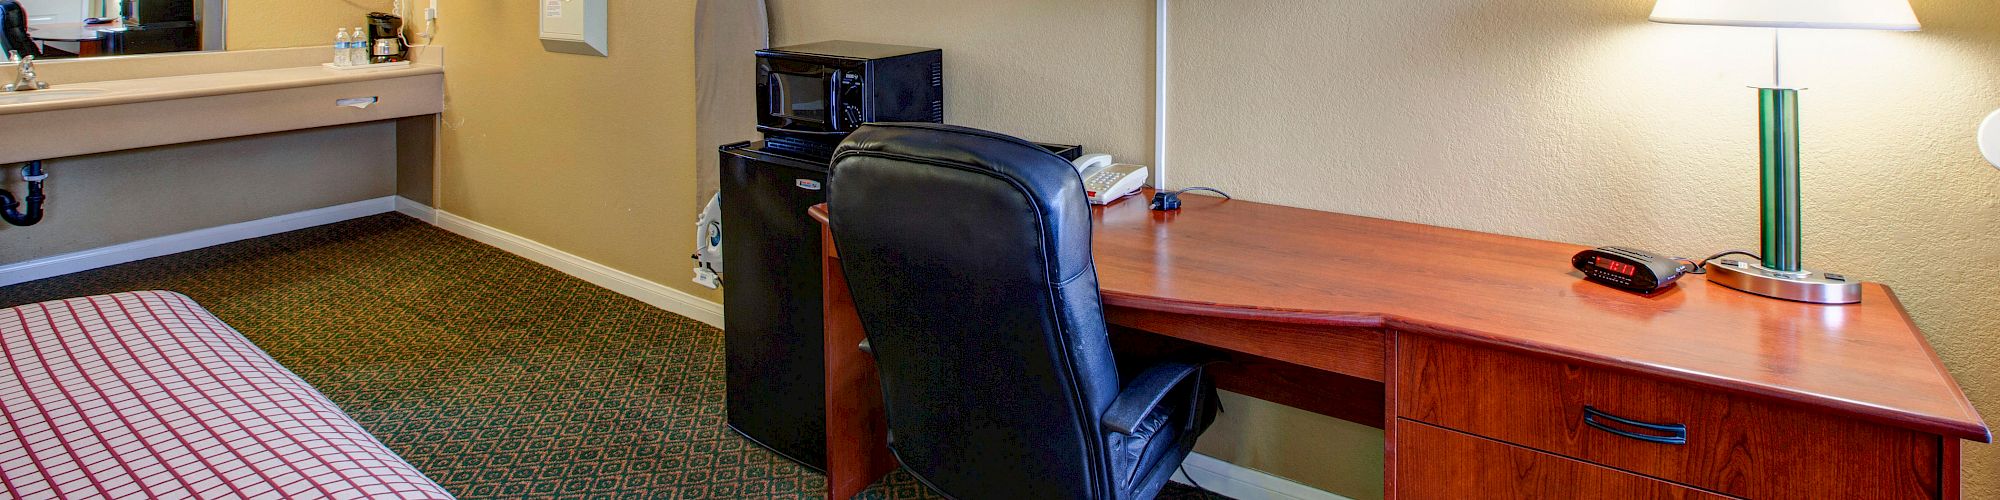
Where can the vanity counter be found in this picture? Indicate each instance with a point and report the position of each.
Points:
(142, 90)
(88, 117)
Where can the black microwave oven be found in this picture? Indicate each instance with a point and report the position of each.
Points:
(811, 96)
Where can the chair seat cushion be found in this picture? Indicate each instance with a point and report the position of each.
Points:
(147, 395)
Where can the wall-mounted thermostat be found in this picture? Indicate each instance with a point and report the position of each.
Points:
(575, 26)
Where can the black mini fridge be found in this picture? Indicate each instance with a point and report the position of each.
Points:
(773, 329)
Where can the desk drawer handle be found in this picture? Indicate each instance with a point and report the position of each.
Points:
(1677, 434)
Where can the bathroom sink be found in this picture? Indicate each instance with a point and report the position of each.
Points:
(57, 94)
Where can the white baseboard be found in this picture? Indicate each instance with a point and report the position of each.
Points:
(416, 210)
(49, 267)
(661, 296)
(1243, 483)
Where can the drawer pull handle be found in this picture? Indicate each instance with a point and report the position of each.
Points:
(1677, 434)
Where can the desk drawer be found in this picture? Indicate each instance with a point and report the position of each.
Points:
(1442, 464)
(1731, 444)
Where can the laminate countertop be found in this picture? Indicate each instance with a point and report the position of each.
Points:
(1263, 262)
(116, 92)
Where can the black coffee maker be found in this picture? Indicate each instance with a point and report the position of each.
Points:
(385, 39)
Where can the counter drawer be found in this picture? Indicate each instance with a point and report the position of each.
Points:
(1439, 463)
(1735, 445)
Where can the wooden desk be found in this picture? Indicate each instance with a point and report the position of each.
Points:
(1478, 354)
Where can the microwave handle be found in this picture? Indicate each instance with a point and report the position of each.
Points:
(776, 95)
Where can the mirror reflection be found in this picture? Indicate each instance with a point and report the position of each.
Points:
(57, 29)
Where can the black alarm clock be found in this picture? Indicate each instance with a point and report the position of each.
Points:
(1628, 269)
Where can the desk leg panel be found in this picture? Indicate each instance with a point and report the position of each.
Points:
(856, 431)
(1389, 420)
(1952, 481)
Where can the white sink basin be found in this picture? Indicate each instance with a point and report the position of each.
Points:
(57, 94)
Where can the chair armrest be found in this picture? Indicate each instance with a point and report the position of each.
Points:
(1145, 393)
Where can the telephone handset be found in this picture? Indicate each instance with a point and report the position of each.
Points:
(1105, 181)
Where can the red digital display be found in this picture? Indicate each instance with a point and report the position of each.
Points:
(1616, 266)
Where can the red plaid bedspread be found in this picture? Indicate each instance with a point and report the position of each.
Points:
(147, 395)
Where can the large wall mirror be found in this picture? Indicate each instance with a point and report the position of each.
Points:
(60, 29)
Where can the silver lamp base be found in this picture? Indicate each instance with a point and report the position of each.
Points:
(1803, 286)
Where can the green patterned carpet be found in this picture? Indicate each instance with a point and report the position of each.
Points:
(497, 376)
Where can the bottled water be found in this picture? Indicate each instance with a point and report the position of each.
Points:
(358, 51)
(343, 48)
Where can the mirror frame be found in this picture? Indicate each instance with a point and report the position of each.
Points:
(213, 16)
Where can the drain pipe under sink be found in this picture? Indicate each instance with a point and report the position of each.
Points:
(31, 172)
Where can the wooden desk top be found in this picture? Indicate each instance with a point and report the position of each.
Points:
(72, 32)
(1246, 260)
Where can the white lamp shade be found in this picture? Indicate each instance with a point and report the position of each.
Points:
(1830, 14)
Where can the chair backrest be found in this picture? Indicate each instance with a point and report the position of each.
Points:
(14, 30)
(968, 255)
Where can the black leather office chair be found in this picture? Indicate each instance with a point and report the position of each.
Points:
(968, 255)
(14, 31)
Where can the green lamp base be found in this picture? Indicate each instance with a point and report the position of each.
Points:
(1781, 274)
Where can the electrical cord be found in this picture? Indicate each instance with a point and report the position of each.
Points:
(1192, 482)
(1208, 189)
(1702, 266)
(429, 34)
(1171, 200)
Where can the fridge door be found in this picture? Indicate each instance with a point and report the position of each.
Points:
(773, 329)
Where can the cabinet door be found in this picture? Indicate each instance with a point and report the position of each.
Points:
(1436, 463)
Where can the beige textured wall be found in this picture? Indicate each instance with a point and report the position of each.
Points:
(1049, 70)
(111, 198)
(1510, 116)
(269, 24)
(590, 155)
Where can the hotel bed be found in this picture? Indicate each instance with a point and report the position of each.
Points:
(145, 394)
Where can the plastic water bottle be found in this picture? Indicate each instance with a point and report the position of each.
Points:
(342, 48)
(358, 53)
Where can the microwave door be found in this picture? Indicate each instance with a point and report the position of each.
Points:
(802, 98)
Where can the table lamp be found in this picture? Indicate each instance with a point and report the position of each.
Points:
(1781, 274)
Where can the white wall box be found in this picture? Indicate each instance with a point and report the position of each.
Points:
(575, 26)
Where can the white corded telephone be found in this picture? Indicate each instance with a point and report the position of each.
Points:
(1105, 181)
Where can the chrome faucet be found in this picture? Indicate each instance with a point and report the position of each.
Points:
(25, 80)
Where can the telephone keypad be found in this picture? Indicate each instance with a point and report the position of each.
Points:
(1103, 180)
